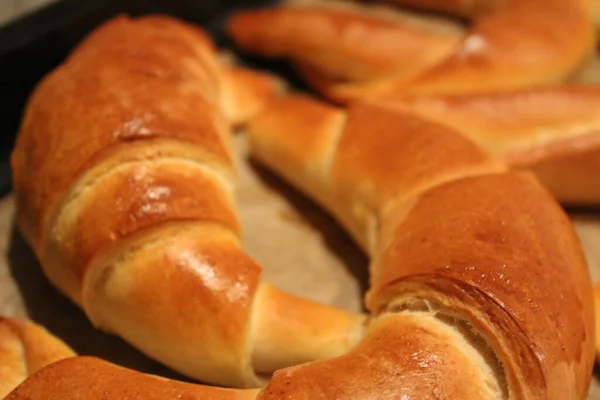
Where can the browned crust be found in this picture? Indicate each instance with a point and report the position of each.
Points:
(384, 156)
(247, 91)
(341, 44)
(25, 348)
(508, 122)
(463, 244)
(473, 245)
(66, 125)
(402, 356)
(299, 330)
(144, 195)
(516, 44)
(182, 293)
(572, 177)
(553, 131)
(93, 379)
(124, 187)
(482, 257)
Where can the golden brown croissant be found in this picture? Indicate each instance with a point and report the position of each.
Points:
(124, 180)
(25, 348)
(552, 131)
(549, 129)
(511, 44)
(456, 241)
(452, 236)
(93, 379)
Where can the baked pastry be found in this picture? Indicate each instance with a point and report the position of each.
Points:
(510, 44)
(124, 187)
(123, 180)
(551, 131)
(502, 82)
(453, 311)
(25, 348)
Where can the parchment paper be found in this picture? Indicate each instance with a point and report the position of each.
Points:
(302, 250)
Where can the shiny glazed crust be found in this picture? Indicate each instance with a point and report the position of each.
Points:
(553, 131)
(455, 239)
(502, 82)
(124, 184)
(453, 236)
(452, 262)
